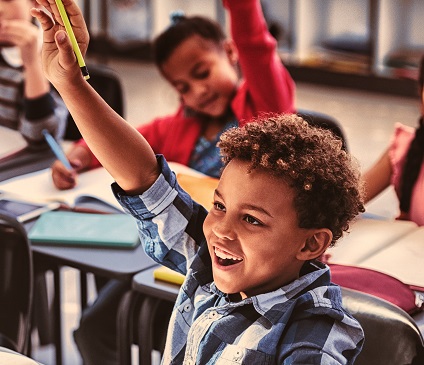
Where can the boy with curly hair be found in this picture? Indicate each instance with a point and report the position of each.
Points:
(254, 291)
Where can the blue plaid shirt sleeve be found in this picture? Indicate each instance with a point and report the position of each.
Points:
(169, 221)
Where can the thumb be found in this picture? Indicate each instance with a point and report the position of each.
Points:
(67, 56)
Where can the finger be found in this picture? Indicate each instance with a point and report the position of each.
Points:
(43, 18)
(76, 20)
(76, 164)
(67, 57)
(63, 178)
(59, 168)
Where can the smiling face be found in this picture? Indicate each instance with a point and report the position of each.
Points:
(204, 74)
(252, 232)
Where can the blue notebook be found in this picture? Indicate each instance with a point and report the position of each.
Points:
(85, 229)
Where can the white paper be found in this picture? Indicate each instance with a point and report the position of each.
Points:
(11, 141)
(38, 186)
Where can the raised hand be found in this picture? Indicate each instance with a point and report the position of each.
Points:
(59, 61)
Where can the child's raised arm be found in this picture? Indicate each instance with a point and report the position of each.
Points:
(117, 145)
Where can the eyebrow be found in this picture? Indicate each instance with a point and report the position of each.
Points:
(248, 206)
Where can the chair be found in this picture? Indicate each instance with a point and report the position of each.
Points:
(324, 121)
(391, 335)
(16, 285)
(107, 83)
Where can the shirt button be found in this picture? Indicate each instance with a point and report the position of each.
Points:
(187, 308)
(238, 354)
(212, 315)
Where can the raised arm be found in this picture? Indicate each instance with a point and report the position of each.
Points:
(268, 81)
(118, 146)
(377, 177)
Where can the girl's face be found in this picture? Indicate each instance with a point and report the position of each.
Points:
(204, 74)
(253, 238)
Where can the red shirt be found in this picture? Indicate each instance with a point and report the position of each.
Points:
(266, 86)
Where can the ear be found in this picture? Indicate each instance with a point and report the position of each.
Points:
(231, 51)
(316, 244)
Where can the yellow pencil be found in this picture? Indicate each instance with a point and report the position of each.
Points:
(74, 42)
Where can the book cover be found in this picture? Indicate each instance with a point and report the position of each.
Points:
(83, 229)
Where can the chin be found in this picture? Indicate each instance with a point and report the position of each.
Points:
(225, 286)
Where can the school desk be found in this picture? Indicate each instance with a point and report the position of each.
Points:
(150, 292)
(107, 262)
(26, 162)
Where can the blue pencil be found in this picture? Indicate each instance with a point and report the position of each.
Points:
(57, 150)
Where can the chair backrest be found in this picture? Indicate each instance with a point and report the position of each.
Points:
(325, 121)
(391, 335)
(107, 83)
(16, 284)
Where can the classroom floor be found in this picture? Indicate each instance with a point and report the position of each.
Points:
(367, 119)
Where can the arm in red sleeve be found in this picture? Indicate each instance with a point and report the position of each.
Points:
(268, 81)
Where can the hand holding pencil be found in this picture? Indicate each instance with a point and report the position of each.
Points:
(60, 49)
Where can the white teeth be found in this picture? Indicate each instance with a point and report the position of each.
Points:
(224, 255)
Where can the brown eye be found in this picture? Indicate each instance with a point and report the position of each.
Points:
(252, 220)
(219, 206)
(203, 75)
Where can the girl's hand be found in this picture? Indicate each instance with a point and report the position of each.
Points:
(63, 178)
(24, 35)
(59, 61)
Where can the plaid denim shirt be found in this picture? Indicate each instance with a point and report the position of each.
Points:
(300, 323)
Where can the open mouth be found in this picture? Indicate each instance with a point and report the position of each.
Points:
(225, 258)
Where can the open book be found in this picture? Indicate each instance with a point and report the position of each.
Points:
(94, 187)
(12, 143)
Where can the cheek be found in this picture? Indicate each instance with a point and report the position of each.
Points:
(207, 226)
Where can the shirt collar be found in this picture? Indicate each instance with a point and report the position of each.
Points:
(12, 56)
(312, 273)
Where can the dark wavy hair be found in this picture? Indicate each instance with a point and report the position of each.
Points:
(182, 28)
(414, 157)
(326, 179)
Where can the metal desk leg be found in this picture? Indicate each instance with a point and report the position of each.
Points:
(145, 328)
(125, 326)
(83, 290)
(57, 316)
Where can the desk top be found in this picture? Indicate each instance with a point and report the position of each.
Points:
(145, 283)
(109, 262)
(26, 162)
(403, 259)
(367, 237)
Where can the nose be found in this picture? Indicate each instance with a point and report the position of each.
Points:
(224, 230)
(199, 88)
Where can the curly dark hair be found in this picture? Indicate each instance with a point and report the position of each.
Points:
(182, 28)
(326, 179)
